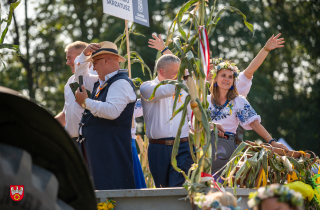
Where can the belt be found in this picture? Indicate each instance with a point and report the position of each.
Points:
(167, 142)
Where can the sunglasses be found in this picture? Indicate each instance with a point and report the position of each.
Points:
(95, 61)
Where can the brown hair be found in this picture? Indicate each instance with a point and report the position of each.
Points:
(259, 207)
(225, 199)
(215, 93)
(78, 45)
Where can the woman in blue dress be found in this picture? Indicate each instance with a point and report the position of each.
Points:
(138, 173)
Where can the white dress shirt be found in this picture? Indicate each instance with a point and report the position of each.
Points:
(120, 93)
(158, 112)
(72, 110)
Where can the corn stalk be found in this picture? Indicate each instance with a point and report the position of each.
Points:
(193, 14)
(143, 146)
(135, 57)
(253, 165)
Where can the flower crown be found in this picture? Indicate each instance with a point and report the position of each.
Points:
(206, 201)
(284, 193)
(220, 64)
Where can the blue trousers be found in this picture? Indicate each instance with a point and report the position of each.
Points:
(164, 175)
(138, 174)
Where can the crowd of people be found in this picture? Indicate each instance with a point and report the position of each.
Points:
(102, 123)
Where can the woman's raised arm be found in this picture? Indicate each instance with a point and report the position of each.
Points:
(271, 44)
(257, 127)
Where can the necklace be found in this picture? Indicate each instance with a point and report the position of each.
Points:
(220, 107)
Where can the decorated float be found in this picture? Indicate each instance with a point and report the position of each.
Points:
(248, 167)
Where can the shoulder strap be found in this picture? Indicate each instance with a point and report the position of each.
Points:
(95, 87)
(122, 74)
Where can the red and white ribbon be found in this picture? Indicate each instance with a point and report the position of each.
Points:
(205, 177)
(205, 54)
(204, 49)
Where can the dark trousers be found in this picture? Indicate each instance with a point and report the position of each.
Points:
(164, 175)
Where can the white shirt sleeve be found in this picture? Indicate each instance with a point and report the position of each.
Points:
(243, 84)
(82, 68)
(64, 108)
(245, 113)
(138, 111)
(164, 91)
(120, 94)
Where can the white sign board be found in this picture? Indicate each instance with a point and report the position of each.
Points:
(132, 10)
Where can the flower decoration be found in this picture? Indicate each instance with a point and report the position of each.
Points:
(206, 201)
(219, 64)
(108, 205)
(284, 193)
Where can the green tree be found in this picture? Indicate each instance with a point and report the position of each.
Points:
(285, 90)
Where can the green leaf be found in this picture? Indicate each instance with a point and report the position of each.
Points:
(239, 172)
(171, 82)
(232, 9)
(191, 144)
(239, 149)
(186, 102)
(176, 144)
(177, 45)
(136, 33)
(143, 65)
(191, 43)
(211, 15)
(122, 36)
(137, 81)
(181, 72)
(10, 46)
(12, 7)
(206, 126)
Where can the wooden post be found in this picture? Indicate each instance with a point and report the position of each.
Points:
(128, 49)
(129, 62)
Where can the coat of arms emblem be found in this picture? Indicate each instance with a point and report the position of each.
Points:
(16, 192)
(140, 6)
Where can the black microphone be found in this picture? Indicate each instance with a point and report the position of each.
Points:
(80, 82)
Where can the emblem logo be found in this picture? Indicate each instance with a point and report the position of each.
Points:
(140, 6)
(16, 192)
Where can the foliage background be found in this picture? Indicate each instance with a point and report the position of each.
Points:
(285, 90)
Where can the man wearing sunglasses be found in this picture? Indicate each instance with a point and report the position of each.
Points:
(105, 128)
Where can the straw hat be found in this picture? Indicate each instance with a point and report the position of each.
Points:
(106, 47)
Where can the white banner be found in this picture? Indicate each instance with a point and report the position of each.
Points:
(132, 10)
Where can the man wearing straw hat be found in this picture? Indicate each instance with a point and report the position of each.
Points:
(105, 127)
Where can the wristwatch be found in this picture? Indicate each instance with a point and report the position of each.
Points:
(273, 140)
(84, 103)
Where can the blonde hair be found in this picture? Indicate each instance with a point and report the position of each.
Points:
(215, 93)
(78, 45)
(226, 199)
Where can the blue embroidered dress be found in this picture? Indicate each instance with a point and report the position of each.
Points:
(138, 173)
(237, 111)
